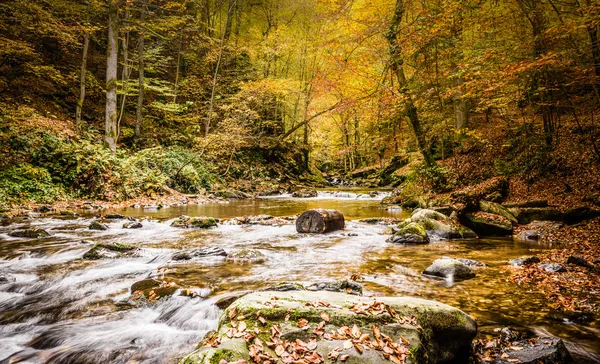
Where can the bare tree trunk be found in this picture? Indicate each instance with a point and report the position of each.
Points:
(461, 106)
(124, 75)
(86, 44)
(110, 132)
(178, 67)
(214, 84)
(397, 68)
(140, 101)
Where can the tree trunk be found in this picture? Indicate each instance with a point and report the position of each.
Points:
(124, 74)
(461, 106)
(320, 221)
(86, 44)
(178, 67)
(140, 101)
(110, 132)
(214, 84)
(397, 68)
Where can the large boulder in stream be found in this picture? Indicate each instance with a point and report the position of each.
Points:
(316, 326)
(449, 268)
(439, 226)
(320, 221)
(409, 233)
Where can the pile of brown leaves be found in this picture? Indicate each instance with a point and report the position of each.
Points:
(578, 288)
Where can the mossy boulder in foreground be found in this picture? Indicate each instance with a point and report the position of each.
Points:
(321, 326)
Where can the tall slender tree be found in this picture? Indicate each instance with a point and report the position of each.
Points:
(110, 132)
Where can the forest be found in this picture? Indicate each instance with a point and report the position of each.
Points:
(299, 181)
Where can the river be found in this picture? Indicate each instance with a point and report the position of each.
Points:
(58, 308)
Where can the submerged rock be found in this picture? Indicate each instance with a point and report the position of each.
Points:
(422, 331)
(199, 253)
(440, 226)
(194, 222)
(29, 233)
(409, 232)
(110, 251)
(153, 290)
(519, 262)
(96, 225)
(450, 269)
(579, 317)
(247, 256)
(133, 225)
(542, 350)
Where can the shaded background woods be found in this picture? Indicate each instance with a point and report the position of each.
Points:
(203, 93)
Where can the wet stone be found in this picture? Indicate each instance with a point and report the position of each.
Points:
(247, 256)
(344, 286)
(552, 267)
(29, 233)
(110, 251)
(132, 225)
(522, 261)
(199, 253)
(305, 194)
(543, 350)
(96, 225)
(468, 262)
(115, 216)
(449, 268)
(194, 222)
(568, 316)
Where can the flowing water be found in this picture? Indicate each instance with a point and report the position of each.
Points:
(59, 308)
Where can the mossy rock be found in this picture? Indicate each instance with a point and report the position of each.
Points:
(528, 215)
(110, 251)
(246, 256)
(486, 224)
(97, 225)
(497, 209)
(440, 226)
(29, 233)
(409, 233)
(434, 332)
(195, 222)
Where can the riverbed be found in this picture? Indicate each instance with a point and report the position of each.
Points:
(56, 307)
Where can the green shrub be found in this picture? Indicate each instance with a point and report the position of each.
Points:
(27, 183)
(176, 167)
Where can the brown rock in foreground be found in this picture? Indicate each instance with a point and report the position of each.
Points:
(320, 221)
